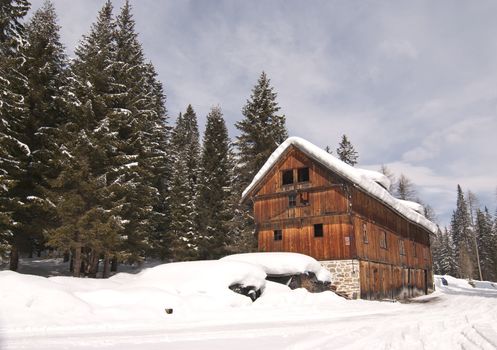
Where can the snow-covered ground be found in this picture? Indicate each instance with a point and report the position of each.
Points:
(127, 311)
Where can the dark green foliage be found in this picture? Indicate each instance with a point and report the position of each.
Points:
(15, 154)
(261, 131)
(487, 244)
(185, 149)
(214, 190)
(346, 152)
(463, 238)
(444, 262)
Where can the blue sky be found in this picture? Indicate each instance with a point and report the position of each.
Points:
(412, 83)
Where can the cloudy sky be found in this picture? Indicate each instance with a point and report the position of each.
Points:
(412, 83)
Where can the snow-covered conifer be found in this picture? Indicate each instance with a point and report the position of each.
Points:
(346, 152)
(214, 207)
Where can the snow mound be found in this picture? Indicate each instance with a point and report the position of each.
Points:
(283, 264)
(358, 178)
(413, 205)
(201, 276)
(375, 176)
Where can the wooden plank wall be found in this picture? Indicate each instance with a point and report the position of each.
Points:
(336, 243)
(385, 281)
(322, 201)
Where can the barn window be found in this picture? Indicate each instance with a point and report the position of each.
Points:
(383, 240)
(402, 248)
(415, 253)
(365, 233)
(292, 201)
(318, 230)
(303, 174)
(304, 198)
(287, 177)
(278, 235)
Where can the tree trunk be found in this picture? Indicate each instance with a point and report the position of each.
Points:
(106, 272)
(93, 265)
(14, 258)
(113, 266)
(76, 268)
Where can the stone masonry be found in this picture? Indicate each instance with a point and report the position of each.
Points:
(345, 276)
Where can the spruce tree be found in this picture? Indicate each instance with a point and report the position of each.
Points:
(88, 195)
(46, 73)
(447, 260)
(184, 187)
(487, 244)
(139, 120)
(462, 237)
(346, 152)
(214, 208)
(262, 130)
(15, 154)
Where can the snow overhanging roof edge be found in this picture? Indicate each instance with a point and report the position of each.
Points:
(346, 171)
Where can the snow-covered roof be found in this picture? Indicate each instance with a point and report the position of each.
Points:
(413, 205)
(376, 177)
(283, 263)
(364, 179)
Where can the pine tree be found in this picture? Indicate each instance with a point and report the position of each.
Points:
(138, 120)
(184, 186)
(160, 164)
(346, 151)
(88, 195)
(448, 264)
(214, 188)
(46, 73)
(261, 131)
(405, 189)
(15, 155)
(487, 244)
(462, 237)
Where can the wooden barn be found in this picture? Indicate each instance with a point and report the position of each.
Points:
(307, 201)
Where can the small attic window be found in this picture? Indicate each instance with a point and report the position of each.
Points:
(287, 177)
(303, 175)
(278, 235)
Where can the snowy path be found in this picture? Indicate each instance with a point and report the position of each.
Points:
(448, 321)
(126, 312)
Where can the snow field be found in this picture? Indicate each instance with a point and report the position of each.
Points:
(126, 311)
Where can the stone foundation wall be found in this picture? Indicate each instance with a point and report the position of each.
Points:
(345, 276)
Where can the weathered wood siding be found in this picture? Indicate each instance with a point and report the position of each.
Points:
(386, 281)
(336, 243)
(376, 219)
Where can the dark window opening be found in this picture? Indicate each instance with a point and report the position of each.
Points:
(292, 200)
(278, 235)
(383, 240)
(304, 198)
(287, 177)
(303, 175)
(402, 249)
(318, 230)
(365, 233)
